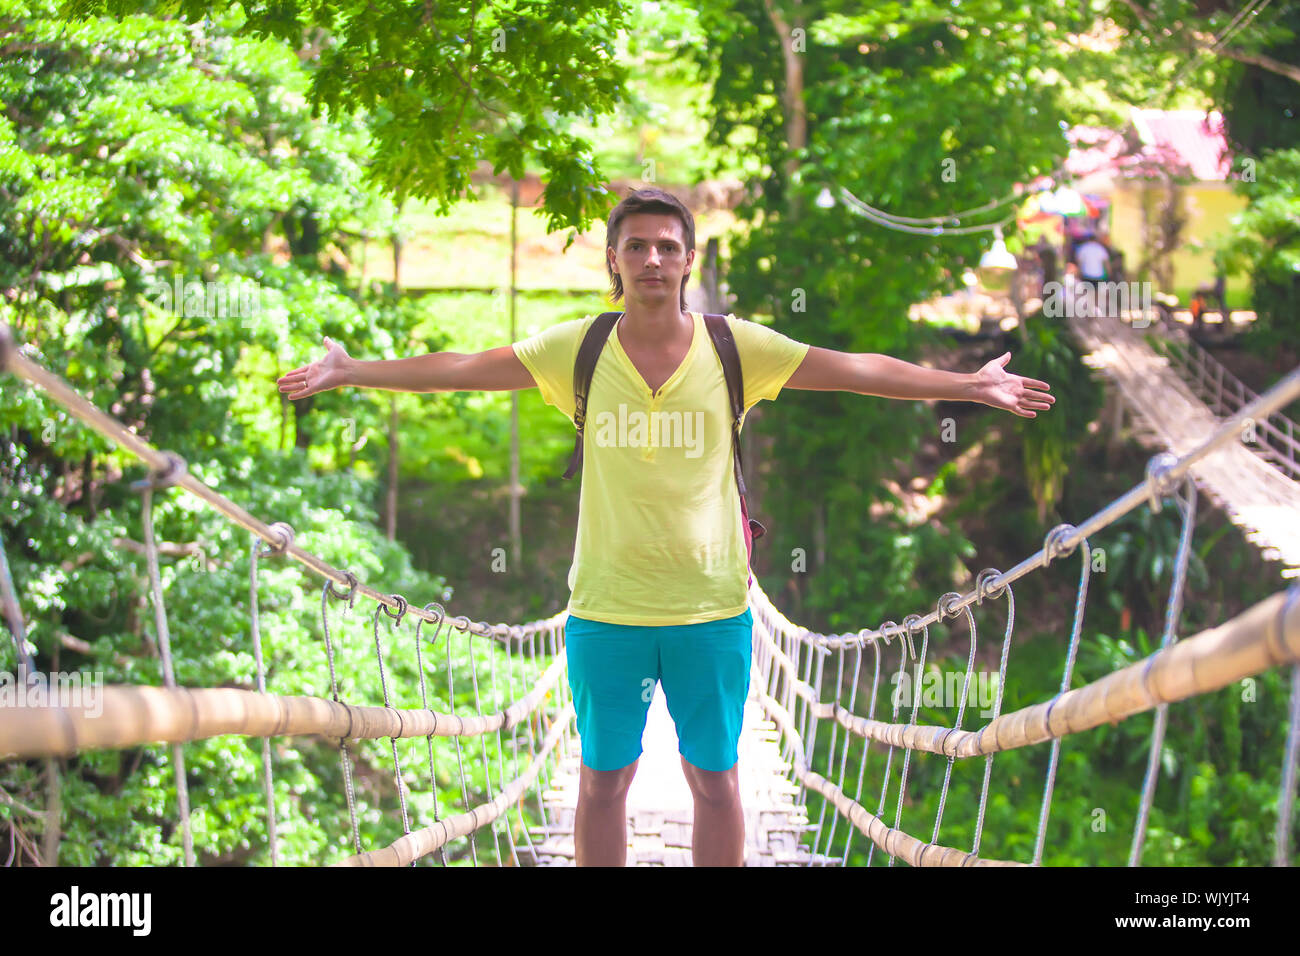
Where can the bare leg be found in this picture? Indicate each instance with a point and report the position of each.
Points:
(718, 834)
(600, 824)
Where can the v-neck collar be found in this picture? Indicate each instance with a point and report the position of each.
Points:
(696, 335)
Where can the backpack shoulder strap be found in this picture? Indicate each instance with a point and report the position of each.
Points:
(725, 345)
(593, 343)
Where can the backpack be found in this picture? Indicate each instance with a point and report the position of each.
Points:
(723, 343)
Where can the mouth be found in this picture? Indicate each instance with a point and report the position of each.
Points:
(650, 279)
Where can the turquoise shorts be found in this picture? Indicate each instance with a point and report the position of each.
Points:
(704, 669)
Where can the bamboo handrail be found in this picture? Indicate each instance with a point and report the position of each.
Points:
(892, 841)
(422, 842)
(1263, 636)
(279, 536)
(138, 715)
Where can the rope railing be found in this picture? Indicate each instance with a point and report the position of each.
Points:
(1265, 636)
(1243, 479)
(171, 469)
(126, 716)
(790, 664)
(1163, 474)
(791, 661)
(893, 841)
(1276, 438)
(423, 842)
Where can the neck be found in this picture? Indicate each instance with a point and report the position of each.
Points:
(654, 325)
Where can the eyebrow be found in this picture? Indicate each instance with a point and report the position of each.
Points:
(640, 239)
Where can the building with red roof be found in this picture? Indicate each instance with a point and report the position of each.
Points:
(1164, 181)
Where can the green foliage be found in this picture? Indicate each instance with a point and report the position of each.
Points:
(145, 148)
(892, 94)
(447, 87)
(1050, 440)
(1162, 58)
(1219, 777)
(140, 151)
(1254, 98)
(1266, 241)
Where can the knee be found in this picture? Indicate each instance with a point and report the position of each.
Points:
(606, 787)
(716, 788)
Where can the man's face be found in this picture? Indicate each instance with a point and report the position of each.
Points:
(651, 245)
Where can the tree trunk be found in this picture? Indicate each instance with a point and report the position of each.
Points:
(391, 505)
(392, 469)
(397, 251)
(819, 533)
(301, 431)
(88, 485)
(516, 538)
(53, 813)
(796, 117)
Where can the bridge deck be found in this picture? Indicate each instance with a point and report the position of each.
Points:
(1257, 497)
(660, 809)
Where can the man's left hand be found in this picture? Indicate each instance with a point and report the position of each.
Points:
(996, 387)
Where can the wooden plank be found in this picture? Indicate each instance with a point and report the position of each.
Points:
(1254, 494)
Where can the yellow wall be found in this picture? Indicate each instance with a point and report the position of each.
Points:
(1209, 208)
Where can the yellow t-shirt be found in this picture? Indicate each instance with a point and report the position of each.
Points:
(659, 537)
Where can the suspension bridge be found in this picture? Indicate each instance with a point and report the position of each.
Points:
(807, 689)
(1176, 393)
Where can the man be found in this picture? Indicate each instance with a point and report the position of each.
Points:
(1094, 260)
(659, 577)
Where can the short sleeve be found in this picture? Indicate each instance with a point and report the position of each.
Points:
(767, 358)
(549, 357)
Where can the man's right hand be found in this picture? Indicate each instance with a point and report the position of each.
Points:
(320, 376)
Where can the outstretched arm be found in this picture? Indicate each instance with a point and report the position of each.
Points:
(869, 373)
(495, 370)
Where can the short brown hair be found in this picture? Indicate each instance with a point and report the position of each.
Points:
(651, 200)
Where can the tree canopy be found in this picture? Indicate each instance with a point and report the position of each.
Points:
(447, 86)
(165, 165)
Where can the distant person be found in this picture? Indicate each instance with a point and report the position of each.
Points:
(1198, 304)
(1094, 260)
(1205, 294)
(1112, 254)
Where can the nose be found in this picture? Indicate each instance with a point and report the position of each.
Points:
(653, 256)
